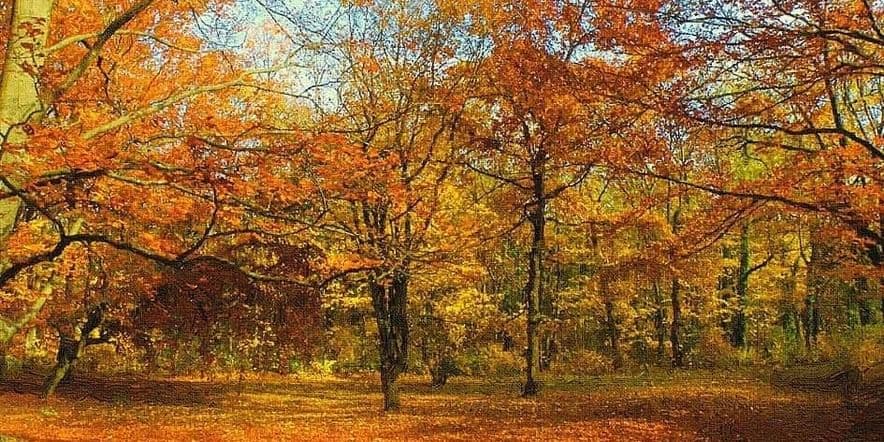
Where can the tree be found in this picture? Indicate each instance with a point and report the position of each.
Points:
(537, 141)
(398, 88)
(794, 87)
(124, 129)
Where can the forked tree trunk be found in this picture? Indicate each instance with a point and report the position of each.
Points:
(70, 350)
(390, 301)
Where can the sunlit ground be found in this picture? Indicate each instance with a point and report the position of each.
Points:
(695, 406)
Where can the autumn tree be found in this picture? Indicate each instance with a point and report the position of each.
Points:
(536, 137)
(134, 125)
(792, 86)
(395, 77)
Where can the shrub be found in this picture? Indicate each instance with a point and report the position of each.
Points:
(588, 363)
(489, 361)
(713, 350)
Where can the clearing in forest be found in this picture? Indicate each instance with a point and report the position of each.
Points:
(697, 406)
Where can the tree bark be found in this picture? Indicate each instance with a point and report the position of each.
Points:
(390, 300)
(613, 331)
(659, 324)
(738, 326)
(674, 339)
(70, 350)
(811, 314)
(4, 367)
(19, 97)
(9, 328)
(534, 288)
(674, 216)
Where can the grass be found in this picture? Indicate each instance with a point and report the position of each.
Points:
(693, 406)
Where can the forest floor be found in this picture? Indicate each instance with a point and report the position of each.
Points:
(686, 406)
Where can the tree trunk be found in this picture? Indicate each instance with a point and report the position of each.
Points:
(738, 330)
(443, 368)
(613, 331)
(69, 350)
(390, 300)
(659, 323)
(4, 367)
(9, 328)
(811, 314)
(19, 99)
(865, 303)
(674, 216)
(674, 339)
(534, 288)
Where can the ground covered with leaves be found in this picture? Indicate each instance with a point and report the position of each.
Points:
(696, 406)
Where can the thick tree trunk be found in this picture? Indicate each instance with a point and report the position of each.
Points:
(70, 350)
(390, 300)
(674, 338)
(530, 388)
(8, 329)
(19, 98)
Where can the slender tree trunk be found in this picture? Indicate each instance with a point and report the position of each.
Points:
(534, 288)
(807, 319)
(390, 300)
(613, 331)
(674, 216)
(865, 303)
(674, 338)
(659, 323)
(811, 314)
(4, 367)
(738, 331)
